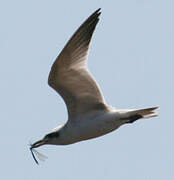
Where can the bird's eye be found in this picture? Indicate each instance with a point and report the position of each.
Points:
(52, 135)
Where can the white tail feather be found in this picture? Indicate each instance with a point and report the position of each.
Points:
(145, 113)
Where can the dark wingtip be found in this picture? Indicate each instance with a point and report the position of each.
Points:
(96, 13)
(99, 9)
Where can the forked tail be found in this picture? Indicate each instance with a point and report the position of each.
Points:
(134, 115)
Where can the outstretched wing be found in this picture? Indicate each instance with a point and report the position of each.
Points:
(69, 75)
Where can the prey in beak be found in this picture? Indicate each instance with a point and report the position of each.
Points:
(38, 154)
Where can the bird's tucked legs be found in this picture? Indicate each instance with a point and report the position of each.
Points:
(133, 118)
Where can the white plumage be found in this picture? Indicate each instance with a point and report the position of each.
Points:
(88, 114)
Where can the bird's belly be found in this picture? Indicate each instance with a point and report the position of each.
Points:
(94, 128)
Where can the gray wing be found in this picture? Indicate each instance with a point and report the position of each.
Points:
(69, 75)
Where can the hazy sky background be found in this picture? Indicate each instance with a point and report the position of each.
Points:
(131, 57)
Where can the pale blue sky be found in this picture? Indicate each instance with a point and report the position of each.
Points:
(131, 57)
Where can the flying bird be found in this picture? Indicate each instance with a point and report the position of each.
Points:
(89, 116)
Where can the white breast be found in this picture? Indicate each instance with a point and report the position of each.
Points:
(92, 126)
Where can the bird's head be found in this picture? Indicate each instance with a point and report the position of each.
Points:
(48, 139)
